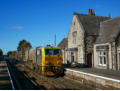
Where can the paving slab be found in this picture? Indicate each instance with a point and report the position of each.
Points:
(107, 78)
(102, 72)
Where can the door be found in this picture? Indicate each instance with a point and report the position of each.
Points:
(39, 57)
(89, 59)
(119, 61)
(72, 57)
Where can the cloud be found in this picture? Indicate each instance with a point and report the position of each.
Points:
(98, 6)
(17, 27)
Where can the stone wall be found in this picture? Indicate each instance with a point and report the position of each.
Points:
(90, 40)
(76, 27)
(94, 80)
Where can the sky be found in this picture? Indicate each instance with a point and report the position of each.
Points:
(37, 21)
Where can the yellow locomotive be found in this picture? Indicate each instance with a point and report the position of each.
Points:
(46, 60)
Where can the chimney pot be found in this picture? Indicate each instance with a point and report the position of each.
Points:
(91, 12)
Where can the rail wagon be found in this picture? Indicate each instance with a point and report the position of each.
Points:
(45, 60)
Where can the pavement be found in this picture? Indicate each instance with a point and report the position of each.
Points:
(102, 72)
(5, 83)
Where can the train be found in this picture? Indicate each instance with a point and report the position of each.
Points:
(45, 60)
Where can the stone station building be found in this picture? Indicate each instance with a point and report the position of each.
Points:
(81, 37)
(107, 46)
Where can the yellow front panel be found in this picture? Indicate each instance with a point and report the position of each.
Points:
(43, 60)
(53, 60)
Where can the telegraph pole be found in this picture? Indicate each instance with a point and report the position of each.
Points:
(55, 40)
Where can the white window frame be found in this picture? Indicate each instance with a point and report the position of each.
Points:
(118, 60)
(101, 54)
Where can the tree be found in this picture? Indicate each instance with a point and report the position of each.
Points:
(12, 54)
(9, 53)
(22, 47)
(1, 54)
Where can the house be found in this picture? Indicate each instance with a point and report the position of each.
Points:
(107, 46)
(63, 45)
(82, 35)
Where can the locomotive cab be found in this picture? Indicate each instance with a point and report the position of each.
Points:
(45, 60)
(52, 61)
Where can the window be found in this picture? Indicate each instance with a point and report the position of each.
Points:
(102, 58)
(57, 52)
(74, 34)
(52, 52)
(74, 23)
(48, 52)
(38, 52)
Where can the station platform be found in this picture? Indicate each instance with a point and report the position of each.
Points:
(98, 76)
(5, 79)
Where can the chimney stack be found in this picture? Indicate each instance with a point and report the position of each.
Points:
(91, 12)
(109, 15)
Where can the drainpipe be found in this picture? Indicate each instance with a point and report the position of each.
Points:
(111, 54)
(64, 56)
(116, 66)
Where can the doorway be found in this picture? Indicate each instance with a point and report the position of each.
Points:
(72, 57)
(119, 62)
(89, 60)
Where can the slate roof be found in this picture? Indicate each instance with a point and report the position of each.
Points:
(109, 30)
(91, 23)
(64, 43)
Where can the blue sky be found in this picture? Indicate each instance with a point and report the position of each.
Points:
(37, 21)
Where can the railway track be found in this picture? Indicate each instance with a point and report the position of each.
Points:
(6, 82)
(61, 83)
(13, 80)
(27, 79)
(19, 80)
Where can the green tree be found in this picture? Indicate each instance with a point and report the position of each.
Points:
(22, 47)
(9, 53)
(12, 54)
(1, 54)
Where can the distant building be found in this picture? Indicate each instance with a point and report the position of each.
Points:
(107, 46)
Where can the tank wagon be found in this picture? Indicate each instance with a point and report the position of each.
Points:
(45, 60)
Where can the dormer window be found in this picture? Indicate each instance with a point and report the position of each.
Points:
(74, 35)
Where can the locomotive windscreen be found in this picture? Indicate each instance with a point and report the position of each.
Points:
(52, 52)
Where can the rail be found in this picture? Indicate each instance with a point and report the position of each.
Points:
(13, 87)
(15, 83)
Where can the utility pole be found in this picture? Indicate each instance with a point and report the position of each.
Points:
(55, 40)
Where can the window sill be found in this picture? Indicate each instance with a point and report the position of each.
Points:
(101, 65)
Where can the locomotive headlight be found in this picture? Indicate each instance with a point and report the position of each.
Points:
(59, 63)
(46, 62)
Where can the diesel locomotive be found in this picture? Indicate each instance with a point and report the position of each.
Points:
(46, 60)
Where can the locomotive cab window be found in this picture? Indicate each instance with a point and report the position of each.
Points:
(57, 52)
(48, 52)
(52, 52)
